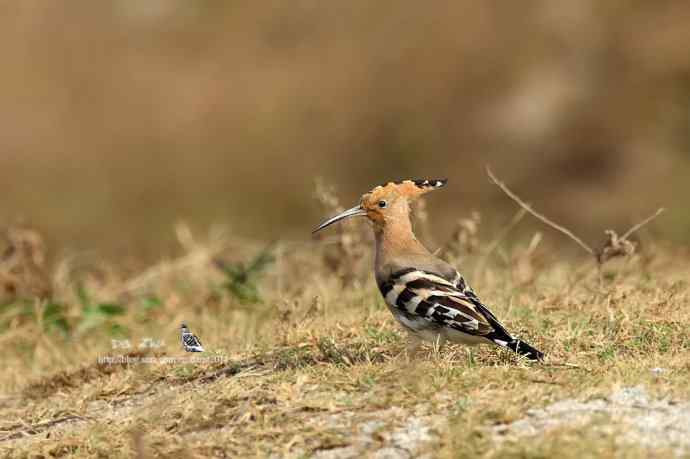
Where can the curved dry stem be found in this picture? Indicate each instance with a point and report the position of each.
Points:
(536, 214)
(636, 227)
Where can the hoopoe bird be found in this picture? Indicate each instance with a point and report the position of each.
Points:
(425, 294)
(190, 342)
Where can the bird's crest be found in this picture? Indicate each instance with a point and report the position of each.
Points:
(407, 188)
(389, 199)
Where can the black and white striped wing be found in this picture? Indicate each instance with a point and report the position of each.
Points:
(423, 294)
(460, 283)
(192, 343)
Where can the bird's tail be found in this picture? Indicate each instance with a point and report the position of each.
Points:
(501, 337)
(522, 348)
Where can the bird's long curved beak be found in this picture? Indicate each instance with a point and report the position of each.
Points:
(354, 212)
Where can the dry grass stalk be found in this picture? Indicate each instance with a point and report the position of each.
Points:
(464, 239)
(343, 257)
(493, 245)
(420, 217)
(198, 255)
(23, 267)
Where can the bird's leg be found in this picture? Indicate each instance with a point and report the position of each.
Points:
(414, 343)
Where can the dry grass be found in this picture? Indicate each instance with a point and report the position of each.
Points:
(312, 362)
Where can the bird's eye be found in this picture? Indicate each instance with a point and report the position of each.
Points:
(383, 204)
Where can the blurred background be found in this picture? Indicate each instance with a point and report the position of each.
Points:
(118, 119)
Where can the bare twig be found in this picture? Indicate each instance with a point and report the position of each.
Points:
(619, 246)
(40, 427)
(636, 227)
(614, 246)
(566, 365)
(536, 214)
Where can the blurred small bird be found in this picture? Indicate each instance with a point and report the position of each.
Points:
(424, 293)
(190, 341)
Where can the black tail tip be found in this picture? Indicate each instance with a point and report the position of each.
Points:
(524, 349)
(536, 355)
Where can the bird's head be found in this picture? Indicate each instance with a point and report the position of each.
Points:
(183, 326)
(388, 202)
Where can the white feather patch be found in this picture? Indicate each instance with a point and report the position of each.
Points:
(392, 296)
(415, 275)
(411, 305)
